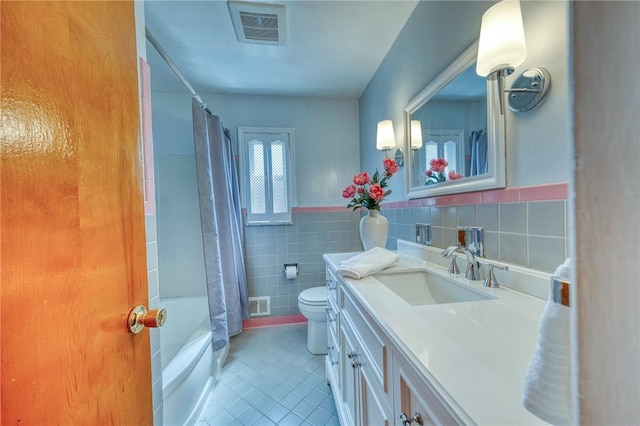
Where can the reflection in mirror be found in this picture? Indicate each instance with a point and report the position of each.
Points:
(455, 133)
(453, 126)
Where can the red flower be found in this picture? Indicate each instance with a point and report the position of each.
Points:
(376, 192)
(349, 191)
(368, 191)
(453, 175)
(361, 178)
(390, 166)
(438, 165)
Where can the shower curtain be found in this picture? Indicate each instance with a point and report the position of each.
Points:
(479, 152)
(221, 223)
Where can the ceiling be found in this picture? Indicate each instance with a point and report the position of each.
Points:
(333, 47)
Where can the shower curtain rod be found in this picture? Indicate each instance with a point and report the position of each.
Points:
(175, 69)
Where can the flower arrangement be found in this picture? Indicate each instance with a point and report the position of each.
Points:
(435, 173)
(367, 191)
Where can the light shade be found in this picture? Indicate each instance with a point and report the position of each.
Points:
(385, 138)
(416, 134)
(502, 43)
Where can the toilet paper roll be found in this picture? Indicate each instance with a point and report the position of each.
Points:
(291, 271)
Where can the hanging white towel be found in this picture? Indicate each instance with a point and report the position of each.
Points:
(547, 382)
(367, 263)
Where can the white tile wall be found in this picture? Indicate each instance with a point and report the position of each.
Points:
(268, 248)
(531, 234)
(154, 302)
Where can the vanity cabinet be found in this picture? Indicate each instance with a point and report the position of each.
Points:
(356, 362)
(373, 381)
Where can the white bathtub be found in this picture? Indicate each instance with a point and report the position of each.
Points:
(189, 365)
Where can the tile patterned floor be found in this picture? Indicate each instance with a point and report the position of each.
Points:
(271, 379)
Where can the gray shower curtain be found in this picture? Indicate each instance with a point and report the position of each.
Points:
(221, 222)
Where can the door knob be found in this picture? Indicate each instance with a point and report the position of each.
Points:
(139, 318)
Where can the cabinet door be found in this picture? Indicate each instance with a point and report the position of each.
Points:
(411, 402)
(415, 395)
(348, 375)
(375, 409)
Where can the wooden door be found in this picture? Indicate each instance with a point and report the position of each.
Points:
(72, 222)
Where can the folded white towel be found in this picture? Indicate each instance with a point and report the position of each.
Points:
(547, 392)
(366, 263)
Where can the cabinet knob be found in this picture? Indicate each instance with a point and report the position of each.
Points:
(328, 282)
(406, 421)
(353, 356)
(329, 318)
(329, 349)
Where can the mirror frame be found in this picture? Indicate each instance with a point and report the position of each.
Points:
(496, 176)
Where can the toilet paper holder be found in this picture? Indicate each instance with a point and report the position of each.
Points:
(289, 265)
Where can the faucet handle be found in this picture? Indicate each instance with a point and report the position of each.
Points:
(473, 271)
(491, 280)
(453, 266)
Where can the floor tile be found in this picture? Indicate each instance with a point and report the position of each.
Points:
(318, 417)
(315, 397)
(291, 400)
(290, 420)
(264, 404)
(277, 413)
(250, 416)
(270, 378)
(303, 409)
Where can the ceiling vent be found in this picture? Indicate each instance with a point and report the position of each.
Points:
(259, 23)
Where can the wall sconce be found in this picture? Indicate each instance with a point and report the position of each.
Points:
(416, 135)
(386, 141)
(501, 48)
(529, 89)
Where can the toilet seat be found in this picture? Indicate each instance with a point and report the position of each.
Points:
(316, 296)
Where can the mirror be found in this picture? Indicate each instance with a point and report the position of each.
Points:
(455, 133)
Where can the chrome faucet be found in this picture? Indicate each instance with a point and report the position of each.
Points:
(473, 266)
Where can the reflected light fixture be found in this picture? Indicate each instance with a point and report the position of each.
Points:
(386, 141)
(501, 49)
(416, 135)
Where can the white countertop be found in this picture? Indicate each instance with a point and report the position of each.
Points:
(475, 353)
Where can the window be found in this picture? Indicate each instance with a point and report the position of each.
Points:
(447, 144)
(267, 174)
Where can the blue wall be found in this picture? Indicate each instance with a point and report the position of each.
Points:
(326, 151)
(538, 142)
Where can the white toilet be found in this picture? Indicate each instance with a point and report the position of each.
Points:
(313, 304)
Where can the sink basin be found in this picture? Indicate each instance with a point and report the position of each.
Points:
(420, 288)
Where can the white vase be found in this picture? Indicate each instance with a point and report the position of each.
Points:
(374, 230)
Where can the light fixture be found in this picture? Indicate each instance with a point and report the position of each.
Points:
(501, 49)
(502, 46)
(385, 136)
(416, 135)
(386, 141)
